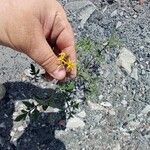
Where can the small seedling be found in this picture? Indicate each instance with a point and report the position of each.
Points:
(85, 44)
(34, 72)
(64, 91)
(113, 41)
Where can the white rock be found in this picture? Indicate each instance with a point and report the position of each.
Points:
(81, 114)
(147, 40)
(135, 16)
(121, 13)
(83, 8)
(27, 72)
(124, 103)
(75, 123)
(56, 110)
(146, 110)
(112, 112)
(106, 104)
(77, 100)
(104, 9)
(21, 128)
(126, 59)
(85, 14)
(100, 97)
(134, 73)
(94, 106)
(114, 13)
(119, 23)
(117, 147)
(12, 133)
(42, 71)
(132, 125)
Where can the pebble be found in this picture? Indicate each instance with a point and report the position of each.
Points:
(112, 112)
(84, 8)
(21, 128)
(124, 103)
(27, 72)
(132, 125)
(147, 40)
(114, 13)
(134, 73)
(94, 106)
(143, 72)
(135, 16)
(119, 23)
(146, 110)
(121, 13)
(126, 59)
(100, 97)
(117, 147)
(12, 133)
(75, 122)
(106, 104)
(81, 114)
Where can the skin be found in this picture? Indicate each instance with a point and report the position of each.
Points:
(40, 29)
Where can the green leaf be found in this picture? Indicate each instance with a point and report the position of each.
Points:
(35, 114)
(33, 69)
(44, 107)
(72, 103)
(21, 117)
(32, 73)
(38, 71)
(76, 105)
(28, 104)
(70, 86)
(40, 101)
(24, 111)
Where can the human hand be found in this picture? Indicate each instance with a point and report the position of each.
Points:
(40, 29)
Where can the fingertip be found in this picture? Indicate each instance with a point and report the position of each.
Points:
(58, 74)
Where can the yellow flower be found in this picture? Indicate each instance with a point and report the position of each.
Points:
(69, 65)
(62, 57)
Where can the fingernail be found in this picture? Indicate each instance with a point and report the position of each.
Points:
(59, 74)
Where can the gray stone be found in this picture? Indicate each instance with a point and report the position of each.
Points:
(94, 106)
(134, 73)
(106, 104)
(146, 110)
(126, 59)
(81, 114)
(100, 97)
(114, 13)
(117, 147)
(75, 123)
(119, 24)
(83, 8)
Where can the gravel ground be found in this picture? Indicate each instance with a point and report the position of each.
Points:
(116, 115)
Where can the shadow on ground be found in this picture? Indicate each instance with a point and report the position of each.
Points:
(40, 134)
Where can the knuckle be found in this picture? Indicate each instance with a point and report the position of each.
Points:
(50, 63)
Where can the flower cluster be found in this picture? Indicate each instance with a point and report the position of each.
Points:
(65, 60)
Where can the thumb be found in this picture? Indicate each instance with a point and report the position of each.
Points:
(43, 54)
